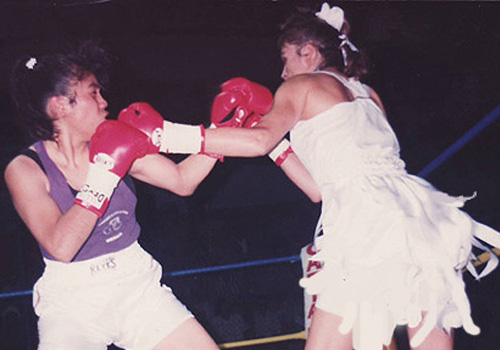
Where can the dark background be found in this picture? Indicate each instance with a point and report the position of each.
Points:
(436, 66)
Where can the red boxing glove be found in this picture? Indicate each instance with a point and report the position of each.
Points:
(113, 148)
(252, 120)
(142, 116)
(242, 96)
(164, 136)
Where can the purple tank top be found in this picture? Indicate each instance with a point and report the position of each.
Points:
(118, 227)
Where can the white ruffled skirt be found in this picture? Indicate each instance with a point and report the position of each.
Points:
(393, 248)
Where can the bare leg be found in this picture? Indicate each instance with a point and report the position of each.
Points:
(436, 340)
(324, 334)
(190, 335)
(392, 345)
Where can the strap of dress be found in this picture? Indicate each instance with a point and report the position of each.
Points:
(335, 75)
(358, 89)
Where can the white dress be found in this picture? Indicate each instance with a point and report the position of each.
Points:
(391, 245)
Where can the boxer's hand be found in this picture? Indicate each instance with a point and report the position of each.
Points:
(252, 120)
(238, 99)
(145, 118)
(113, 148)
(164, 136)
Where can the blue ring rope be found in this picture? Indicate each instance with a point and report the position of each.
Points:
(461, 142)
(15, 294)
(293, 258)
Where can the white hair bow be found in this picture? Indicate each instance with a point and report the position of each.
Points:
(333, 16)
(30, 64)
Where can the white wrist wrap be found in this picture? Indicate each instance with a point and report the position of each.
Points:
(98, 187)
(279, 149)
(181, 138)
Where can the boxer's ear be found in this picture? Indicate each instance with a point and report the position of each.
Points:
(311, 55)
(58, 106)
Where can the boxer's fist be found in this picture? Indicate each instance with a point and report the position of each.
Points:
(145, 118)
(257, 98)
(164, 136)
(113, 148)
(116, 145)
(252, 120)
(241, 97)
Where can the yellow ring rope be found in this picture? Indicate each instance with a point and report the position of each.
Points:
(483, 258)
(237, 344)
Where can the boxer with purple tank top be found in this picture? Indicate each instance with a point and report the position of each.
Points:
(73, 189)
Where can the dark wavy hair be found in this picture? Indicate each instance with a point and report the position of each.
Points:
(303, 27)
(54, 75)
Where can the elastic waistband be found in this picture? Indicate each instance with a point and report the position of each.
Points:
(103, 267)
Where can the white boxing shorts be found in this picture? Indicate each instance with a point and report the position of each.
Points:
(115, 298)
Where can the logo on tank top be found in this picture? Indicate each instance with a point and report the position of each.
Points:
(112, 229)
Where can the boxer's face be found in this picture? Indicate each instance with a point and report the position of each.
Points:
(296, 60)
(293, 63)
(88, 106)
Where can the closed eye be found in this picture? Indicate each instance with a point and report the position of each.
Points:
(96, 89)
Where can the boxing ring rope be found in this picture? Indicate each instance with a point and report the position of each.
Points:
(201, 270)
(267, 340)
(462, 141)
(481, 259)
